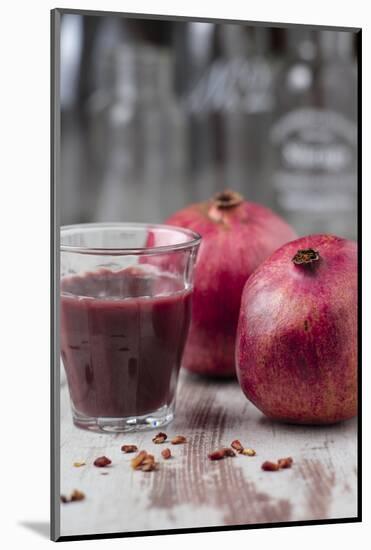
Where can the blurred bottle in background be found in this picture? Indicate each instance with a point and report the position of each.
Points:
(138, 133)
(314, 134)
(249, 103)
(230, 102)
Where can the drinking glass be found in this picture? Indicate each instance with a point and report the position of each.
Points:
(125, 311)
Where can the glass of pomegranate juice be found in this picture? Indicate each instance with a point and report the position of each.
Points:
(125, 310)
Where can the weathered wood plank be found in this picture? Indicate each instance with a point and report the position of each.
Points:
(191, 491)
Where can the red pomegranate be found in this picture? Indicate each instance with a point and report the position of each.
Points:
(236, 237)
(296, 346)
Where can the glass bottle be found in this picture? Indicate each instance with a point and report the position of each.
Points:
(139, 133)
(314, 135)
(230, 104)
(249, 102)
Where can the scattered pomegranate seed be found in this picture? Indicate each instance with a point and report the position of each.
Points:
(216, 455)
(75, 496)
(102, 462)
(144, 461)
(166, 453)
(160, 438)
(137, 460)
(129, 448)
(248, 452)
(179, 439)
(285, 462)
(270, 466)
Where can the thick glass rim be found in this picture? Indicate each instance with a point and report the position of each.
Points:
(194, 239)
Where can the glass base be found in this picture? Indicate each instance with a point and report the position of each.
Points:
(157, 419)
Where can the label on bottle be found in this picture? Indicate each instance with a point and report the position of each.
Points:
(315, 160)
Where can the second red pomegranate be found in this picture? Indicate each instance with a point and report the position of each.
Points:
(237, 236)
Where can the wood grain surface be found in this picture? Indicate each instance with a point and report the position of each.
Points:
(189, 490)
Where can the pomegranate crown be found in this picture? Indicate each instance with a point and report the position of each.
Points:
(306, 256)
(227, 199)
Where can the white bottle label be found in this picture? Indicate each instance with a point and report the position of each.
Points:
(315, 160)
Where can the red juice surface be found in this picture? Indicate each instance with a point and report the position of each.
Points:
(122, 340)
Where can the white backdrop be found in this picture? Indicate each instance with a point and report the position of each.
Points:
(24, 206)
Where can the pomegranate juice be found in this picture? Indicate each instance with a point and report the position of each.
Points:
(122, 340)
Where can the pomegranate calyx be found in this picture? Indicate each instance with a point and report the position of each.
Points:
(306, 256)
(221, 203)
(227, 199)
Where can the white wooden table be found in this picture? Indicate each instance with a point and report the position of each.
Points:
(191, 491)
